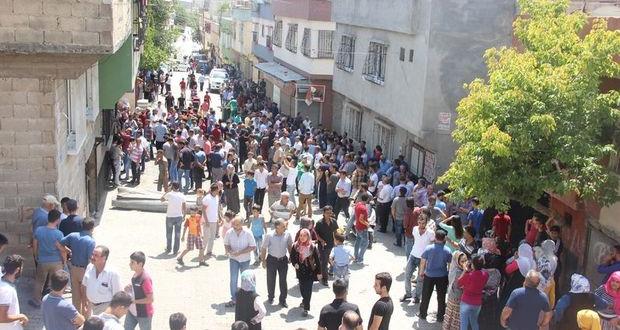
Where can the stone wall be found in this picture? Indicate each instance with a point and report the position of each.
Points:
(65, 26)
(27, 155)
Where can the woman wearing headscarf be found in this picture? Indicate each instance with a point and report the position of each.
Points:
(305, 259)
(546, 264)
(452, 317)
(610, 294)
(579, 297)
(489, 311)
(516, 270)
(249, 308)
(231, 189)
(588, 320)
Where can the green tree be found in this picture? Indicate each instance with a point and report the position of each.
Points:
(159, 37)
(540, 122)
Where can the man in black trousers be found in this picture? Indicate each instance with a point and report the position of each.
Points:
(276, 245)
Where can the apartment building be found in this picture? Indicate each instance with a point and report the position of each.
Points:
(299, 78)
(400, 69)
(262, 35)
(63, 67)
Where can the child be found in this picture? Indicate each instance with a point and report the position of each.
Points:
(227, 223)
(194, 237)
(200, 194)
(249, 189)
(162, 180)
(340, 257)
(258, 227)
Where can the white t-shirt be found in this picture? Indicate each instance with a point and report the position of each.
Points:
(175, 204)
(261, 178)
(421, 241)
(8, 297)
(291, 177)
(211, 203)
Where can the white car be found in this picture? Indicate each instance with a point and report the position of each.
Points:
(217, 78)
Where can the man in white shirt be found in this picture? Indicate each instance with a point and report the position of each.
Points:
(423, 236)
(291, 178)
(260, 176)
(211, 216)
(343, 191)
(250, 163)
(306, 191)
(373, 179)
(118, 308)
(384, 198)
(100, 283)
(160, 131)
(10, 316)
(239, 243)
(174, 216)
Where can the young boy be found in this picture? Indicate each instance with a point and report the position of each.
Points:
(162, 180)
(340, 257)
(249, 190)
(194, 238)
(258, 227)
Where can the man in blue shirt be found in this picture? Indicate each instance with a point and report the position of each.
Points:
(39, 216)
(57, 312)
(474, 218)
(434, 271)
(48, 252)
(525, 304)
(82, 245)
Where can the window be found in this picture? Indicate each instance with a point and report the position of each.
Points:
(354, 123)
(402, 54)
(90, 111)
(255, 37)
(305, 42)
(374, 68)
(262, 30)
(383, 136)
(346, 53)
(325, 44)
(268, 42)
(410, 55)
(234, 31)
(75, 112)
(291, 38)
(277, 35)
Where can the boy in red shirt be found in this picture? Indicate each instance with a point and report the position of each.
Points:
(192, 222)
(361, 229)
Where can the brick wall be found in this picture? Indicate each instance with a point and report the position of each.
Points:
(72, 26)
(27, 155)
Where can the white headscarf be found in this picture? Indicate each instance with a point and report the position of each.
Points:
(526, 259)
(579, 284)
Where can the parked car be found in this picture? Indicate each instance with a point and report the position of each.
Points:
(217, 78)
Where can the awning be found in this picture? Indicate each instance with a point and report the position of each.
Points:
(280, 72)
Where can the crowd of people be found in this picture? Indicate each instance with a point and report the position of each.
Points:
(482, 276)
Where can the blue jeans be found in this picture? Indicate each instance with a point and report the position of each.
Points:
(236, 268)
(131, 322)
(469, 316)
(173, 223)
(185, 174)
(361, 243)
(398, 226)
(408, 245)
(173, 171)
(126, 164)
(259, 243)
(412, 264)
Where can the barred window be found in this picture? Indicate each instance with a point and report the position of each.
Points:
(277, 34)
(291, 38)
(384, 137)
(306, 42)
(346, 53)
(325, 44)
(353, 123)
(374, 67)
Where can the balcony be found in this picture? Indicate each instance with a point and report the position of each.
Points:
(312, 10)
(242, 10)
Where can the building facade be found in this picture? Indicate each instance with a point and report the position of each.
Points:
(63, 67)
(262, 36)
(300, 76)
(398, 81)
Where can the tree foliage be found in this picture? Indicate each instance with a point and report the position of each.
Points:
(159, 39)
(540, 122)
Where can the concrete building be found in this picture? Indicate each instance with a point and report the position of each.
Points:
(400, 69)
(303, 59)
(242, 34)
(63, 67)
(211, 21)
(262, 36)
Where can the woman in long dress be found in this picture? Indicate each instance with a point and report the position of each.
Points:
(452, 318)
(231, 189)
